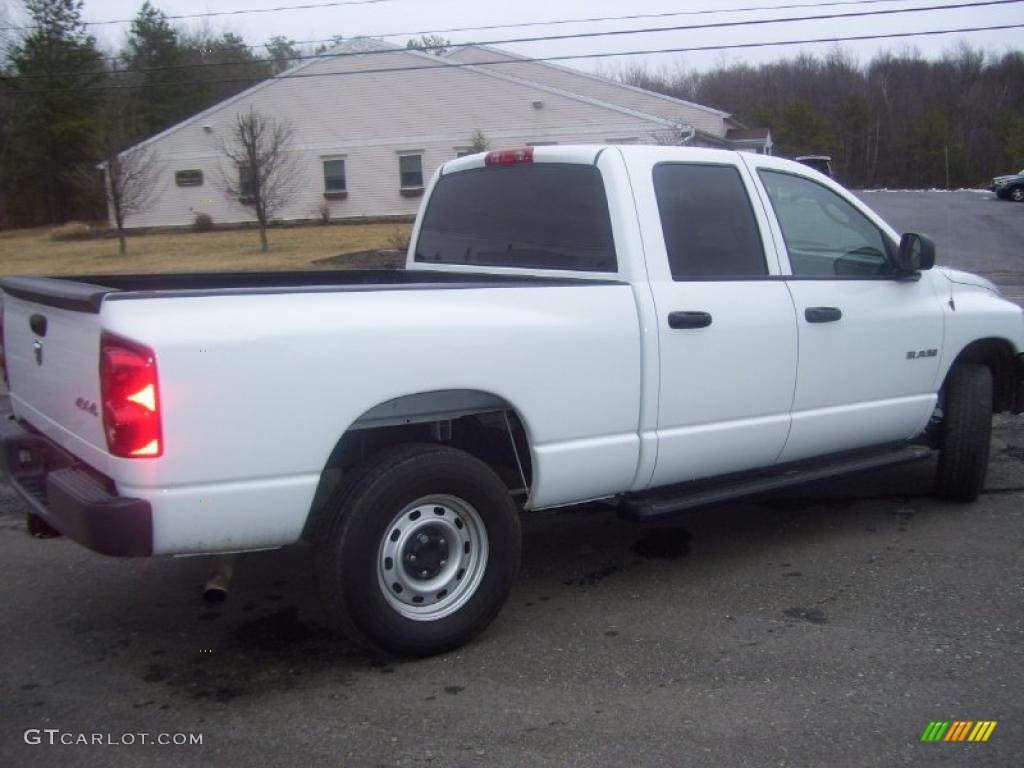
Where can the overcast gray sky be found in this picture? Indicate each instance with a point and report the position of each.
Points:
(398, 16)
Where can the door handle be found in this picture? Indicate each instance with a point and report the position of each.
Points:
(822, 314)
(38, 324)
(678, 320)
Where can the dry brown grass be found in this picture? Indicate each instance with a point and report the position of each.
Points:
(34, 252)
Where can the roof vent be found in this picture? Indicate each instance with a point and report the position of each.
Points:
(538, 104)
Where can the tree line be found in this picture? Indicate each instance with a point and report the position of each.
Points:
(899, 121)
(66, 105)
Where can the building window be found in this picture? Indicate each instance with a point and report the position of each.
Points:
(335, 186)
(246, 184)
(191, 178)
(410, 169)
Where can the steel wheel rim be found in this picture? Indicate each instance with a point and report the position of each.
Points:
(432, 557)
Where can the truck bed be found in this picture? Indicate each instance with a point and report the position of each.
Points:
(86, 293)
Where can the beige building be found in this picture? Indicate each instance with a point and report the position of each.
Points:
(372, 122)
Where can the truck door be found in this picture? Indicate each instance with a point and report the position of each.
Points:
(869, 336)
(726, 325)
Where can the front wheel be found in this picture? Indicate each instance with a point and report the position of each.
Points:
(1017, 194)
(419, 550)
(966, 433)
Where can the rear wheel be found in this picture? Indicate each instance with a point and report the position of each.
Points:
(419, 550)
(966, 433)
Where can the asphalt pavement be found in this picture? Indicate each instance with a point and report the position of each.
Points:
(825, 627)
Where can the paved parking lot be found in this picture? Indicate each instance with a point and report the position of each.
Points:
(828, 627)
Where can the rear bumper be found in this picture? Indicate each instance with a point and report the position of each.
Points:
(73, 499)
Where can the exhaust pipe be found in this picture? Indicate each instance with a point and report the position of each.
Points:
(218, 580)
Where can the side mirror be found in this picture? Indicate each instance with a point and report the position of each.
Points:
(916, 252)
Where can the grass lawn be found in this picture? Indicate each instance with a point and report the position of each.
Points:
(34, 252)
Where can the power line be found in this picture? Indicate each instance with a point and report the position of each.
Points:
(564, 57)
(551, 38)
(554, 22)
(240, 12)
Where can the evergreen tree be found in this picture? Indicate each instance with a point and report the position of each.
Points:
(435, 44)
(154, 55)
(230, 66)
(56, 107)
(282, 53)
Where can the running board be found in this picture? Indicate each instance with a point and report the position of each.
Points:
(665, 502)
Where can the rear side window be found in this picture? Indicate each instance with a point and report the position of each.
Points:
(709, 227)
(536, 216)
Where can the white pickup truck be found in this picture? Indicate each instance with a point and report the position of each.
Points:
(661, 327)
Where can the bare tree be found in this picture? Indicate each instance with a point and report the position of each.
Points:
(264, 171)
(131, 174)
(131, 184)
(676, 136)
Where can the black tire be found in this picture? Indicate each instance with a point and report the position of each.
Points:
(966, 433)
(362, 522)
(1017, 194)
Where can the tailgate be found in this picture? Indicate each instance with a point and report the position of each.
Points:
(52, 352)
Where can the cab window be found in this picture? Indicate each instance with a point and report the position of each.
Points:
(708, 224)
(825, 235)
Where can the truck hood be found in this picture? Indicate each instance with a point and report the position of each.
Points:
(966, 278)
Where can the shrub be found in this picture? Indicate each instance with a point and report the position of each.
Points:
(72, 230)
(202, 222)
(399, 239)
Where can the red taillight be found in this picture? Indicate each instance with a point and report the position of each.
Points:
(509, 156)
(131, 398)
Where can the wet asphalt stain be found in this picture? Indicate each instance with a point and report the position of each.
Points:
(664, 543)
(905, 515)
(611, 633)
(1014, 452)
(793, 573)
(454, 690)
(592, 578)
(268, 653)
(382, 666)
(812, 615)
(277, 632)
